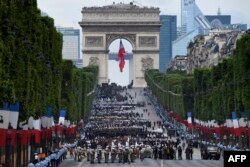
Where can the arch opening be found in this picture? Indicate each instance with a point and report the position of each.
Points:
(114, 74)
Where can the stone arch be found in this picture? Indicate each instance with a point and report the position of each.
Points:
(138, 25)
(112, 37)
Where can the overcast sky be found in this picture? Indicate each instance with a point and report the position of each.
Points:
(67, 13)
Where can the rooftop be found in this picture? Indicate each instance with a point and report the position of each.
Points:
(120, 7)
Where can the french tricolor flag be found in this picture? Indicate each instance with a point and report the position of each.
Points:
(189, 120)
(121, 54)
(50, 123)
(13, 119)
(62, 117)
(37, 130)
(61, 122)
(4, 123)
(235, 124)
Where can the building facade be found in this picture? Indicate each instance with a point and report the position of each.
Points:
(167, 35)
(208, 50)
(178, 63)
(219, 21)
(71, 44)
(239, 26)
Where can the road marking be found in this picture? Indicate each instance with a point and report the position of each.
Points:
(161, 163)
(81, 164)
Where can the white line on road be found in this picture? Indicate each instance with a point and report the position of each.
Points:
(81, 164)
(161, 163)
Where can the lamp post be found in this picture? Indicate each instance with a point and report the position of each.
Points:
(242, 141)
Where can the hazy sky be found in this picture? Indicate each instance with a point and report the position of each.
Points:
(67, 13)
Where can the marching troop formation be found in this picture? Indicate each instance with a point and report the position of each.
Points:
(119, 130)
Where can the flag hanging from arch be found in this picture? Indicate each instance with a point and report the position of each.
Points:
(121, 55)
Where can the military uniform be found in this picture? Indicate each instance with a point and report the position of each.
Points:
(106, 155)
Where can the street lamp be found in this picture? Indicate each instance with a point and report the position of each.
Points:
(242, 141)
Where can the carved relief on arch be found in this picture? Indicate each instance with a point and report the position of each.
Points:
(93, 61)
(147, 63)
(94, 41)
(147, 41)
(111, 37)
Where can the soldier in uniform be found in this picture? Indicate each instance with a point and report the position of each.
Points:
(179, 153)
(203, 152)
(99, 155)
(191, 152)
(187, 153)
(88, 154)
(126, 155)
(120, 155)
(92, 156)
(132, 155)
(106, 155)
(155, 151)
(113, 155)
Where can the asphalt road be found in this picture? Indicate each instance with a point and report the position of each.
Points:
(147, 163)
(153, 117)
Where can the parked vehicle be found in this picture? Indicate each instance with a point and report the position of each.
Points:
(212, 152)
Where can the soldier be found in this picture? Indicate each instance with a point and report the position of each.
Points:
(99, 155)
(203, 152)
(160, 152)
(75, 153)
(191, 152)
(106, 155)
(172, 153)
(187, 153)
(179, 153)
(92, 156)
(120, 155)
(88, 154)
(168, 152)
(132, 155)
(80, 153)
(113, 155)
(126, 156)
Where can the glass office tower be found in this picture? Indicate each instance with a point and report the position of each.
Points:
(71, 44)
(167, 35)
(193, 22)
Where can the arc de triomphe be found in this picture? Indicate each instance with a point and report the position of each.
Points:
(139, 25)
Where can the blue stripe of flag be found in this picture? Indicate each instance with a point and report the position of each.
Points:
(62, 113)
(15, 107)
(49, 112)
(234, 115)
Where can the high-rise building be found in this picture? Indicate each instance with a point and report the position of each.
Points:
(193, 22)
(224, 22)
(192, 17)
(167, 35)
(239, 26)
(219, 21)
(71, 44)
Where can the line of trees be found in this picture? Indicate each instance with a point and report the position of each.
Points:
(174, 90)
(208, 93)
(31, 67)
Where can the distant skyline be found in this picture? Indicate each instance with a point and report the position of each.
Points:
(67, 13)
